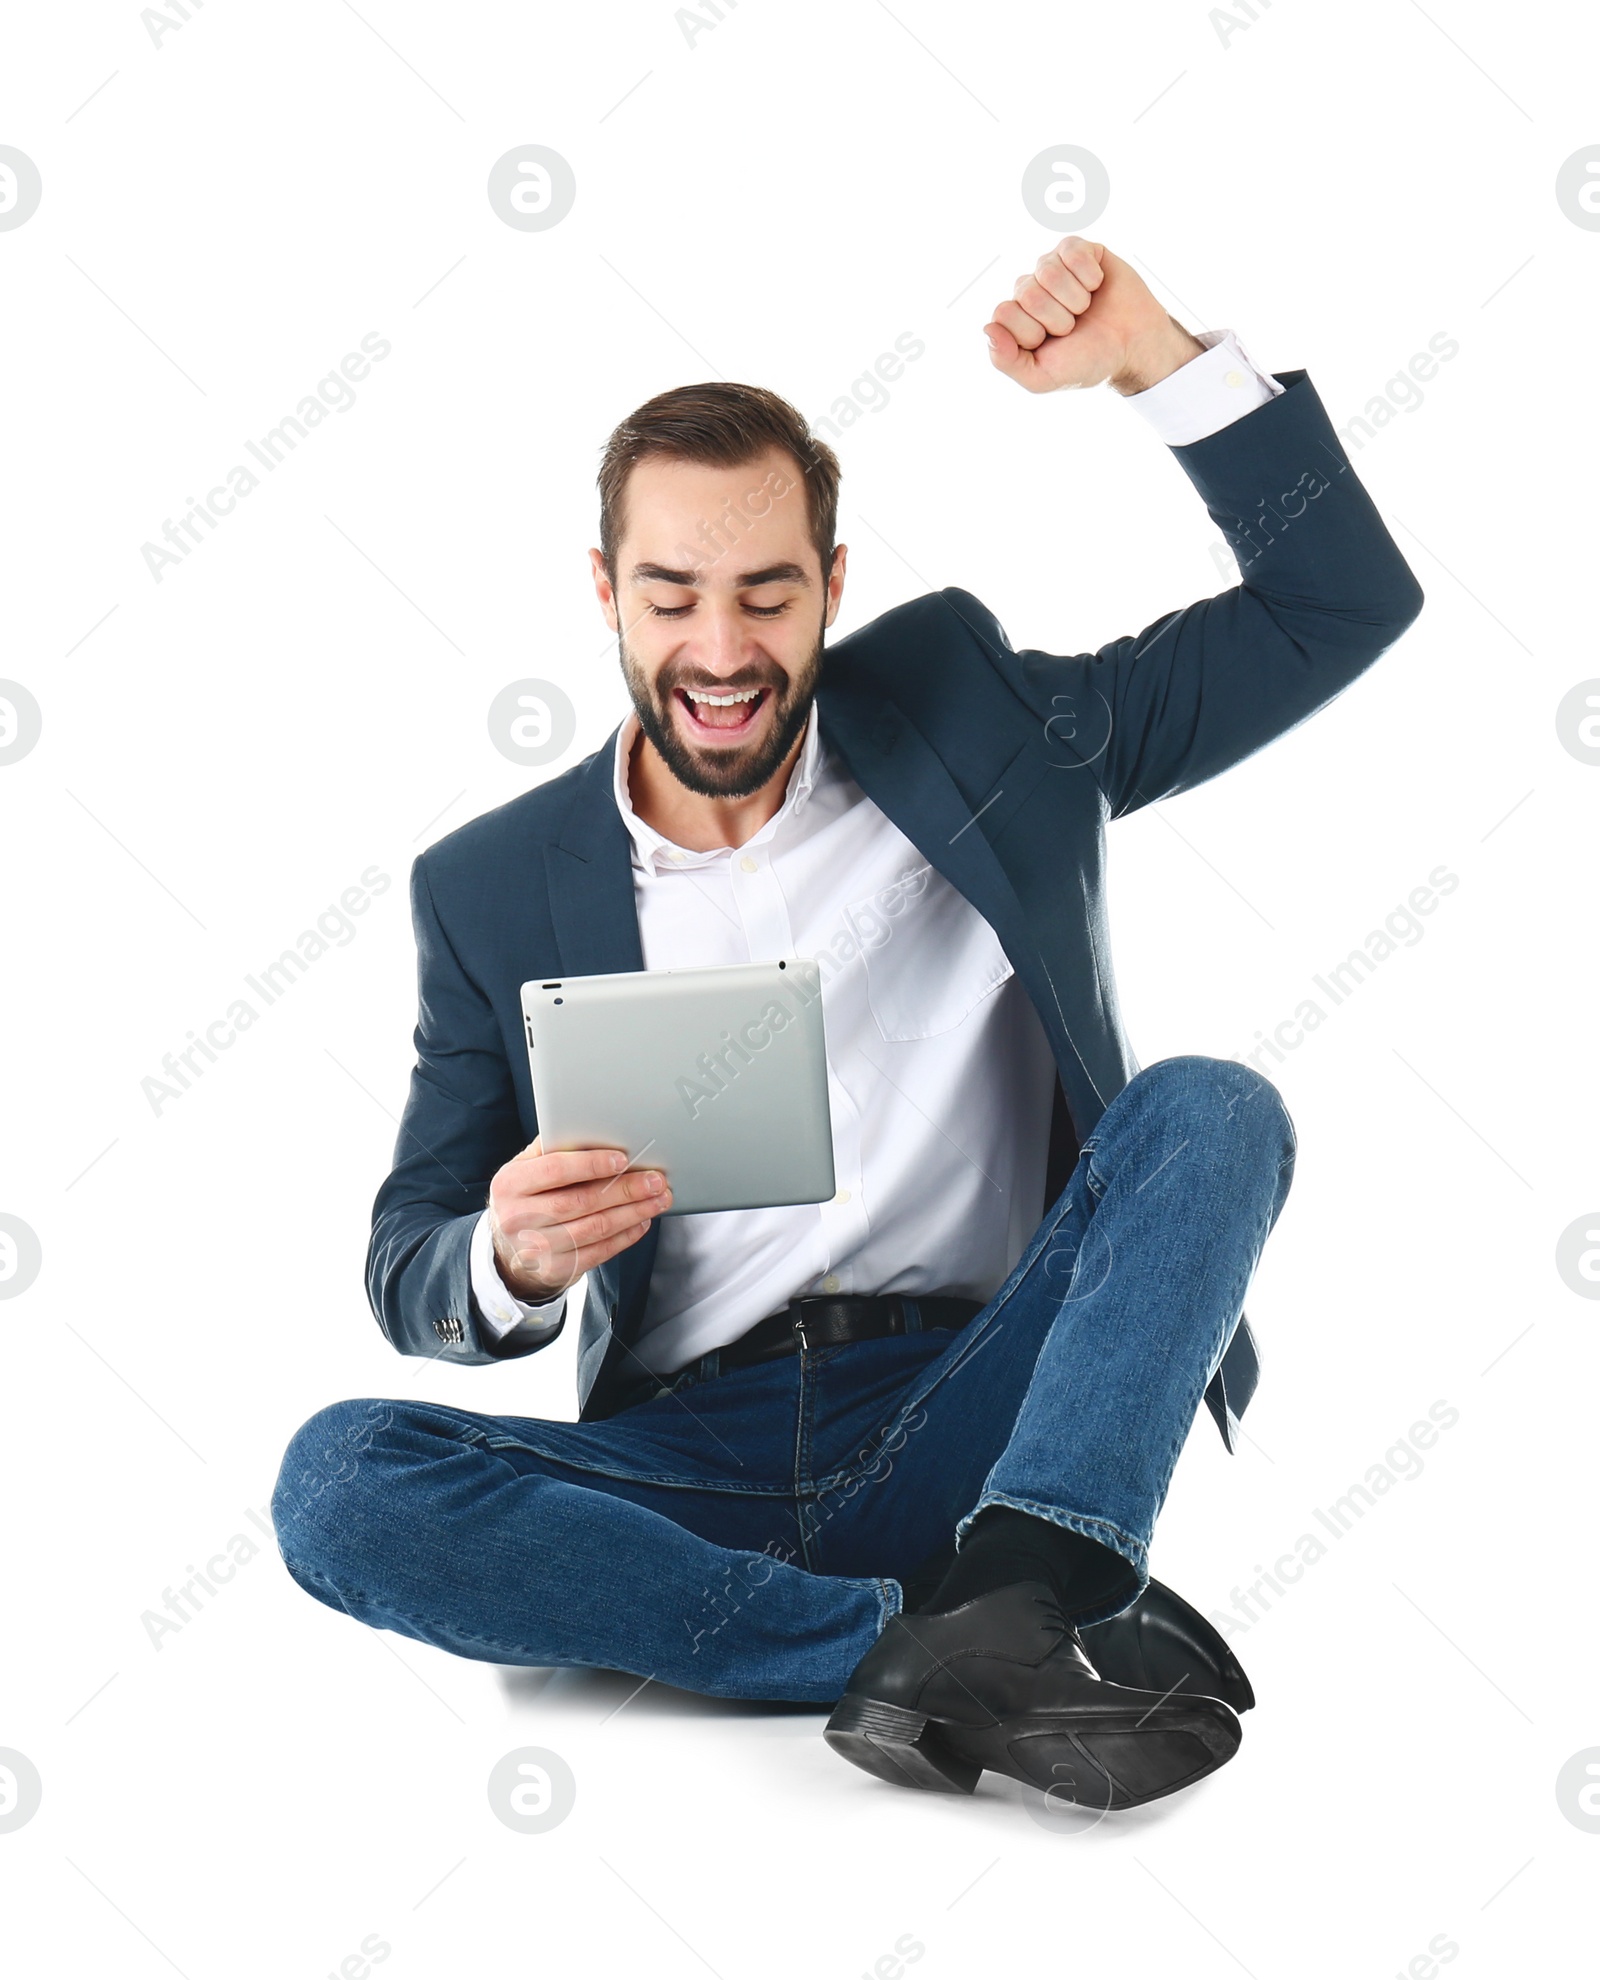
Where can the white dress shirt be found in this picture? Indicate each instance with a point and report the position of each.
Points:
(940, 1077)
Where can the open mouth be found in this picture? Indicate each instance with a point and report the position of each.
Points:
(729, 714)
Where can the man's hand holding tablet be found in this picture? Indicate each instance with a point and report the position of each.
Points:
(555, 1216)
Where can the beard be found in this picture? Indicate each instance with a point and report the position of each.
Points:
(725, 772)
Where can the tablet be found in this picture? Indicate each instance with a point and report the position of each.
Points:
(717, 1077)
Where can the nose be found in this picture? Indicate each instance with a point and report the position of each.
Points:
(722, 640)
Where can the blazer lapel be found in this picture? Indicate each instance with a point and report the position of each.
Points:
(906, 778)
(897, 768)
(590, 866)
(590, 872)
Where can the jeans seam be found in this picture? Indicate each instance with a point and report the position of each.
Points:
(804, 1454)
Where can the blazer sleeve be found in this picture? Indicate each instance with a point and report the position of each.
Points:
(460, 1124)
(1323, 592)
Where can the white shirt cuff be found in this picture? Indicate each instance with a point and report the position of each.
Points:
(501, 1309)
(1207, 393)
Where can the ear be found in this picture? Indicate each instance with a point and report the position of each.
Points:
(603, 589)
(835, 584)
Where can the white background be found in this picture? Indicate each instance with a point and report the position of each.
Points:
(224, 752)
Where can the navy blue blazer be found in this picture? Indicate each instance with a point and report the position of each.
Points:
(1001, 766)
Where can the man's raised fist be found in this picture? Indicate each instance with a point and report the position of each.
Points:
(1083, 317)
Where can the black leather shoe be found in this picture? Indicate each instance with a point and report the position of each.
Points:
(1003, 1683)
(1160, 1643)
(1163, 1644)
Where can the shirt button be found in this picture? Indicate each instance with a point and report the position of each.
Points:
(676, 858)
(1234, 378)
(830, 1283)
(843, 1196)
(749, 865)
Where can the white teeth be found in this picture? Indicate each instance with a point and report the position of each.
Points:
(722, 700)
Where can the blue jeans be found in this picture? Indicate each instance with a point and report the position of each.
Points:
(743, 1534)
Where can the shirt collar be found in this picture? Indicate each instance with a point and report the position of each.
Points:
(656, 853)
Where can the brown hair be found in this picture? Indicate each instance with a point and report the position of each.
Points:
(721, 425)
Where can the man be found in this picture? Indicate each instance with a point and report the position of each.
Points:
(900, 1453)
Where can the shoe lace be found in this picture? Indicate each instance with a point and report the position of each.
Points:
(1055, 1619)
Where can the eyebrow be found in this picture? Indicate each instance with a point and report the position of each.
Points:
(772, 574)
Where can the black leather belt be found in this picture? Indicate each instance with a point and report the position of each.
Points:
(827, 1320)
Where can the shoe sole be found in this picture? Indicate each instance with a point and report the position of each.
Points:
(1069, 1757)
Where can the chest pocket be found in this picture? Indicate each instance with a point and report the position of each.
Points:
(938, 960)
